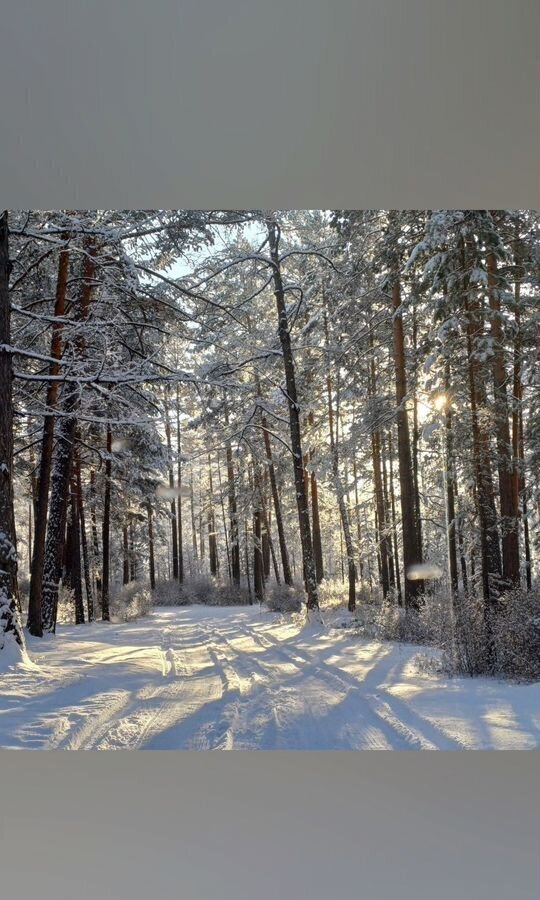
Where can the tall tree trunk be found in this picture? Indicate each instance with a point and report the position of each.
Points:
(233, 518)
(393, 574)
(412, 553)
(266, 537)
(315, 515)
(179, 523)
(519, 485)
(76, 568)
(459, 533)
(340, 493)
(258, 573)
(95, 540)
(211, 518)
(224, 519)
(174, 532)
(56, 525)
(383, 538)
(523, 491)
(394, 520)
(9, 619)
(35, 625)
(151, 563)
(106, 531)
(248, 579)
(30, 517)
(201, 528)
(287, 576)
(416, 429)
(132, 554)
(294, 419)
(266, 534)
(84, 542)
(487, 514)
(505, 462)
(193, 525)
(125, 547)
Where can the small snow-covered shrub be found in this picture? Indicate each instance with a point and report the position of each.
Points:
(130, 602)
(66, 606)
(169, 593)
(228, 595)
(385, 620)
(515, 638)
(202, 589)
(517, 635)
(284, 599)
(334, 593)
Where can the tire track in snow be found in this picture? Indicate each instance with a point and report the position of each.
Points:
(382, 708)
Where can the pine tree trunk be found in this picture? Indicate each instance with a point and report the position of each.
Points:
(523, 491)
(266, 534)
(125, 547)
(95, 540)
(224, 520)
(67, 429)
(34, 622)
(106, 532)
(505, 462)
(212, 536)
(179, 523)
(151, 564)
(394, 519)
(84, 543)
(9, 619)
(519, 485)
(416, 430)
(294, 419)
(450, 499)
(132, 554)
(487, 514)
(383, 539)
(76, 568)
(56, 526)
(233, 518)
(357, 517)
(174, 533)
(315, 515)
(393, 574)
(193, 525)
(460, 539)
(411, 541)
(382, 536)
(287, 576)
(340, 493)
(248, 579)
(258, 574)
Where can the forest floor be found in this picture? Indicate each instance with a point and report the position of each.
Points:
(240, 678)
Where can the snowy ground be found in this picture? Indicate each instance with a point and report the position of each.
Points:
(236, 678)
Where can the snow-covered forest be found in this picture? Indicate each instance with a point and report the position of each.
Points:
(329, 415)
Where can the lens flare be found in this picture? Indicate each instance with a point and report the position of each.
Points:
(424, 572)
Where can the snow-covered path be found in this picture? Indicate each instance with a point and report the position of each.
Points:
(235, 678)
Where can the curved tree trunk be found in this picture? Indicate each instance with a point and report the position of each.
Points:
(294, 419)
